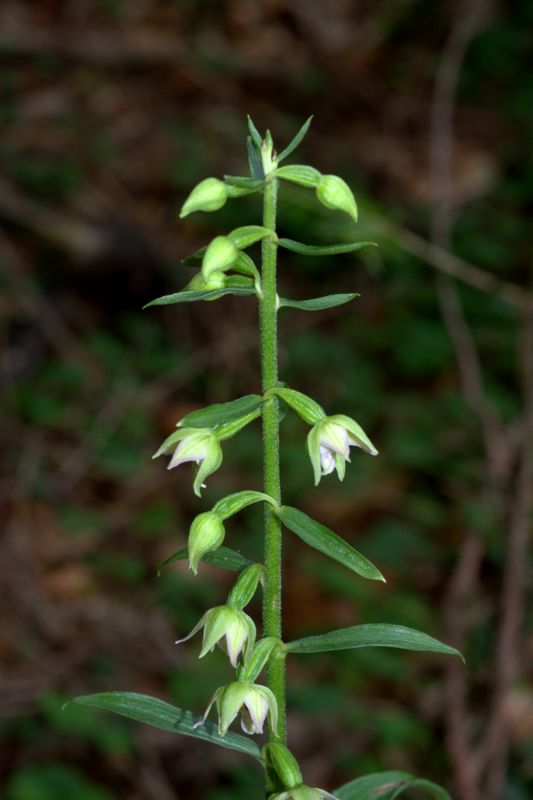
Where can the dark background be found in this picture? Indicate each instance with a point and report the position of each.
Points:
(110, 112)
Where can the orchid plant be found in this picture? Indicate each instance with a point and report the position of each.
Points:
(224, 267)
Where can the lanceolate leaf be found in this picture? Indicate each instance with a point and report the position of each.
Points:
(318, 303)
(388, 786)
(243, 182)
(247, 235)
(327, 542)
(378, 786)
(296, 141)
(221, 413)
(299, 173)
(160, 714)
(254, 133)
(371, 636)
(190, 297)
(307, 408)
(221, 557)
(254, 162)
(323, 250)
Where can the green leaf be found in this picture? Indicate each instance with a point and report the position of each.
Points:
(160, 714)
(221, 413)
(254, 162)
(318, 303)
(323, 250)
(370, 787)
(388, 786)
(254, 133)
(300, 174)
(296, 141)
(321, 538)
(190, 297)
(235, 502)
(377, 635)
(222, 557)
(307, 408)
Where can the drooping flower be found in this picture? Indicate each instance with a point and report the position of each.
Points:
(253, 702)
(199, 445)
(209, 195)
(205, 534)
(329, 442)
(302, 793)
(230, 628)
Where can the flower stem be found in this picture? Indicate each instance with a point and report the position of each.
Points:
(269, 373)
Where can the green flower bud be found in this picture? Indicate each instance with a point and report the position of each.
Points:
(206, 533)
(219, 256)
(283, 762)
(303, 793)
(329, 442)
(335, 193)
(209, 195)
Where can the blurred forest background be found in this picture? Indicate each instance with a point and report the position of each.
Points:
(110, 111)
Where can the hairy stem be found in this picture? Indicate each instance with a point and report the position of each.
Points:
(269, 373)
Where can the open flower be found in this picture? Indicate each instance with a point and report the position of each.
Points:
(199, 445)
(227, 626)
(253, 702)
(329, 442)
(302, 793)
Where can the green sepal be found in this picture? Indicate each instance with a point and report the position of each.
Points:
(293, 144)
(254, 133)
(372, 635)
(159, 714)
(307, 408)
(318, 303)
(245, 587)
(388, 786)
(191, 297)
(300, 174)
(229, 429)
(174, 438)
(258, 658)
(221, 413)
(325, 541)
(247, 235)
(233, 503)
(323, 250)
(223, 557)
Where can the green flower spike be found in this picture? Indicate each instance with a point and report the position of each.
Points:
(302, 793)
(209, 195)
(199, 445)
(220, 255)
(229, 624)
(329, 442)
(253, 702)
(335, 193)
(205, 534)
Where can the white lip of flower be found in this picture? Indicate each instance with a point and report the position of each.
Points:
(329, 443)
(253, 702)
(197, 445)
(230, 628)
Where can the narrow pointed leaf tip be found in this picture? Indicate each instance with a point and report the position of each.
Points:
(223, 557)
(160, 714)
(293, 144)
(323, 250)
(388, 786)
(191, 297)
(325, 541)
(373, 635)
